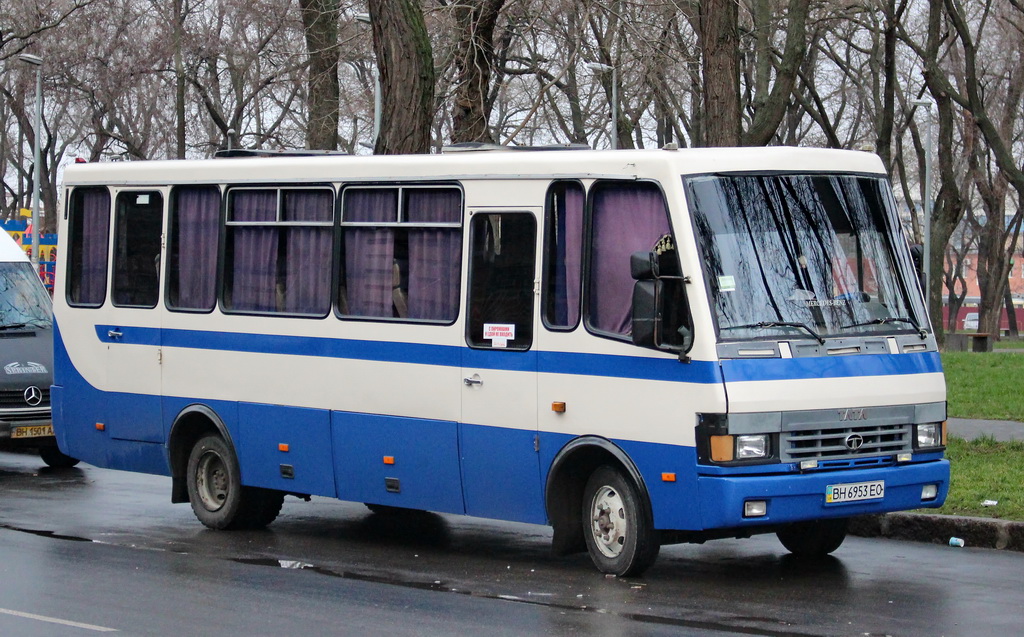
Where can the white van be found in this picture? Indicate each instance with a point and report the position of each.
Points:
(26, 358)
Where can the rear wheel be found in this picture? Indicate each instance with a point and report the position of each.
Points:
(216, 493)
(618, 530)
(814, 539)
(55, 458)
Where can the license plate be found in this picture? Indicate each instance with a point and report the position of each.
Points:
(39, 431)
(855, 491)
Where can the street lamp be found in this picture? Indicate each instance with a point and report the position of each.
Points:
(929, 151)
(36, 61)
(365, 18)
(597, 67)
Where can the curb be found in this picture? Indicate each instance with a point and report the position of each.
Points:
(938, 529)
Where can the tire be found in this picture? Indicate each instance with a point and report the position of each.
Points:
(814, 539)
(54, 457)
(216, 493)
(616, 525)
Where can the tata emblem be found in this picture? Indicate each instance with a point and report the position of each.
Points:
(847, 415)
(854, 442)
(33, 396)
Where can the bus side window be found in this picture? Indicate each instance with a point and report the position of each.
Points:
(137, 227)
(501, 273)
(563, 254)
(87, 257)
(401, 253)
(192, 248)
(624, 218)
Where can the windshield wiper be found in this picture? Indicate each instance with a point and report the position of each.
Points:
(12, 326)
(893, 319)
(766, 324)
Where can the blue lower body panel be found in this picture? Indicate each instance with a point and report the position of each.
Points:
(797, 497)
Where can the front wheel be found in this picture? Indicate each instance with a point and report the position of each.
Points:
(216, 493)
(617, 527)
(814, 539)
(54, 457)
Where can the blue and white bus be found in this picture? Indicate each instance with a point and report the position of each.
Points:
(634, 347)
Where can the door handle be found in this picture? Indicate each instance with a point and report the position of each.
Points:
(114, 334)
(473, 380)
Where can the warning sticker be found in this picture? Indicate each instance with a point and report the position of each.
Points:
(499, 334)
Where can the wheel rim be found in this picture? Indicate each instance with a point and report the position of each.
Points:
(608, 521)
(212, 482)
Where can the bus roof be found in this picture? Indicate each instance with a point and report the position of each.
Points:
(484, 164)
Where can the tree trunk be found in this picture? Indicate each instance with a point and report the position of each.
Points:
(474, 57)
(405, 62)
(719, 42)
(320, 27)
(772, 108)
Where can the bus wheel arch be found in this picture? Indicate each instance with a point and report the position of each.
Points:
(566, 487)
(192, 423)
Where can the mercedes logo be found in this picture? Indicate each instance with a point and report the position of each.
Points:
(33, 396)
(854, 442)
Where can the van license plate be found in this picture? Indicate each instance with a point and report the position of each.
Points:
(39, 431)
(855, 491)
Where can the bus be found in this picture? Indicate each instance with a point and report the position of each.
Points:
(636, 348)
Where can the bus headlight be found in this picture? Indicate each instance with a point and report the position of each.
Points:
(751, 447)
(929, 435)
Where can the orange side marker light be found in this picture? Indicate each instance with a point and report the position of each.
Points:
(282, 446)
(100, 427)
(389, 460)
(668, 477)
(558, 407)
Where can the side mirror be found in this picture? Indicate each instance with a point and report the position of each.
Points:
(646, 314)
(643, 266)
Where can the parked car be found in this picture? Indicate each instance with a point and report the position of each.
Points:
(26, 358)
(971, 321)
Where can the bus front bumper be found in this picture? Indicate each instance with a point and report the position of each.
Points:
(753, 500)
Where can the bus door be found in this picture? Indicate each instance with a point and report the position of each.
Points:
(501, 474)
(131, 330)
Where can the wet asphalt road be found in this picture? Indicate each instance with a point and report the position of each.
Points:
(106, 550)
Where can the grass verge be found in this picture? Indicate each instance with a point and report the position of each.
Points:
(984, 386)
(985, 469)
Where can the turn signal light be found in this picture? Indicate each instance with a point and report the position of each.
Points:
(721, 448)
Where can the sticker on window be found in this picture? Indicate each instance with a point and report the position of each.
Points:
(499, 334)
(727, 283)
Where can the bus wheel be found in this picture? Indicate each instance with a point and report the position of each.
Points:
(814, 539)
(216, 493)
(54, 457)
(619, 533)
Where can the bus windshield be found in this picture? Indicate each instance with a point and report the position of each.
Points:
(805, 256)
(23, 300)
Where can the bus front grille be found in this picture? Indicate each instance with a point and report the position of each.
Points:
(845, 442)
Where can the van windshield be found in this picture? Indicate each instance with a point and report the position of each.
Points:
(805, 256)
(23, 300)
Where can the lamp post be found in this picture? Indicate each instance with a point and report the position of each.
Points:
(927, 207)
(365, 18)
(605, 68)
(37, 62)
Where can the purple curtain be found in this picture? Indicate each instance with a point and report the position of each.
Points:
(566, 253)
(307, 274)
(370, 252)
(626, 219)
(196, 226)
(95, 234)
(435, 254)
(253, 264)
